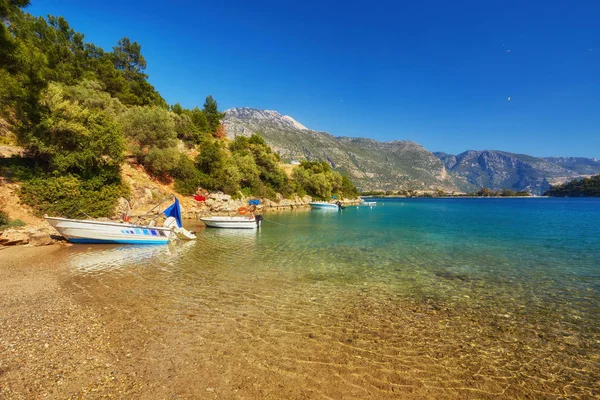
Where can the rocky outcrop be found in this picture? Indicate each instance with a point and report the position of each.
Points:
(30, 236)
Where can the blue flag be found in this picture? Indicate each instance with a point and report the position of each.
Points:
(175, 212)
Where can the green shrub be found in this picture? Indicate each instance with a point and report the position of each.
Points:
(246, 192)
(186, 130)
(16, 223)
(4, 220)
(162, 162)
(319, 180)
(258, 163)
(149, 127)
(187, 177)
(6, 223)
(71, 197)
(73, 138)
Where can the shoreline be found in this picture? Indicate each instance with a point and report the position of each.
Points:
(41, 233)
(456, 197)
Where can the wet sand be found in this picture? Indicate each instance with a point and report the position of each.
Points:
(64, 336)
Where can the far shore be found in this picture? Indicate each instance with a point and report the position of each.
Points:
(451, 197)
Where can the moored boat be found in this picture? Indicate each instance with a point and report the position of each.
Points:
(322, 205)
(91, 231)
(85, 231)
(244, 220)
(251, 222)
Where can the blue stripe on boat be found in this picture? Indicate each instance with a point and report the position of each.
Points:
(98, 241)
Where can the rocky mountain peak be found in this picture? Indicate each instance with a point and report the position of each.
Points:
(270, 117)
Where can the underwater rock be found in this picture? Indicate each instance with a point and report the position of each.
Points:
(452, 276)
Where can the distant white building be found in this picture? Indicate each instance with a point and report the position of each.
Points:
(295, 162)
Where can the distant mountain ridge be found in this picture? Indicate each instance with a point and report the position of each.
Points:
(500, 169)
(370, 164)
(406, 165)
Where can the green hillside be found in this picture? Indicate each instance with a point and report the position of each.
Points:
(79, 111)
(584, 187)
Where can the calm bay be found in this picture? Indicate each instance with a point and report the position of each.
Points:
(412, 298)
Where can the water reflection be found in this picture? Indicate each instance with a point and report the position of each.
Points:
(107, 258)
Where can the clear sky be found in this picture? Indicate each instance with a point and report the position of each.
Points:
(436, 72)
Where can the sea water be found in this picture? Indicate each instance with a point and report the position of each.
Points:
(412, 297)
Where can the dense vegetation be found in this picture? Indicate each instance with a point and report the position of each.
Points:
(485, 192)
(586, 187)
(78, 110)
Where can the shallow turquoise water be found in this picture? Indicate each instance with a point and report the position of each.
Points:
(549, 248)
(442, 297)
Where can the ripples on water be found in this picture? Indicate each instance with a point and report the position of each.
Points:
(443, 298)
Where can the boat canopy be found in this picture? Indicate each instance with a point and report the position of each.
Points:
(174, 211)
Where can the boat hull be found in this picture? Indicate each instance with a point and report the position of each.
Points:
(231, 222)
(324, 206)
(82, 231)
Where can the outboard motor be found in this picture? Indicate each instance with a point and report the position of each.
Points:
(258, 219)
(339, 204)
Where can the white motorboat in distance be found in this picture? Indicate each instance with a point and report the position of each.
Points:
(321, 205)
(251, 222)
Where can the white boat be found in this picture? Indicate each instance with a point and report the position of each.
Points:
(251, 222)
(369, 203)
(90, 231)
(321, 205)
(87, 231)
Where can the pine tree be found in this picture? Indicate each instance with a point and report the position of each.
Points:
(213, 116)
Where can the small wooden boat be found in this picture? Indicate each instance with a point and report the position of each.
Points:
(250, 222)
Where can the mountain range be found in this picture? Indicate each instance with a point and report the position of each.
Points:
(406, 165)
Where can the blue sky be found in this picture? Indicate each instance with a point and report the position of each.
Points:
(436, 72)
